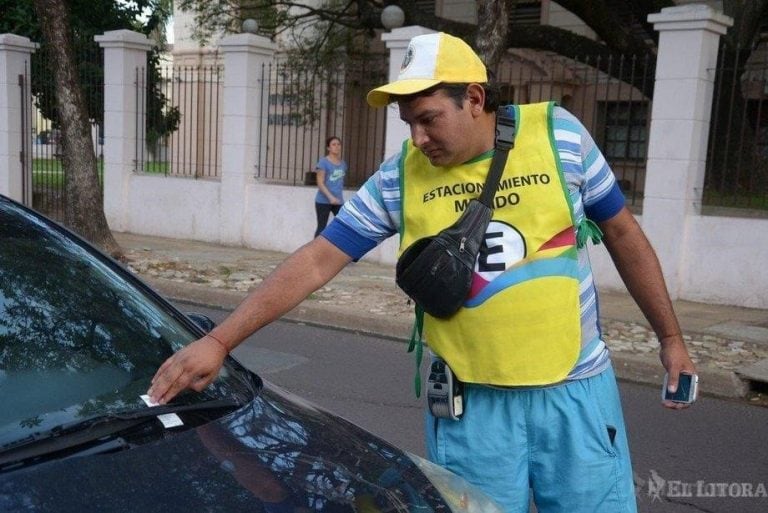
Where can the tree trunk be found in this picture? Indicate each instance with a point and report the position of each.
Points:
(492, 29)
(84, 210)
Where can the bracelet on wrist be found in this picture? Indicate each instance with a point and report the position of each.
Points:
(218, 341)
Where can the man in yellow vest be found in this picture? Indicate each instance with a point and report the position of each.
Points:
(541, 408)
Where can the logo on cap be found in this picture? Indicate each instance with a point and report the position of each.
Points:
(408, 58)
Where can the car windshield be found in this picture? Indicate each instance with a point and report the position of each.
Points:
(78, 337)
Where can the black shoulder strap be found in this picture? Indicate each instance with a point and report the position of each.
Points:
(506, 128)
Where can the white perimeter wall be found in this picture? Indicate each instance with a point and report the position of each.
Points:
(724, 260)
(277, 217)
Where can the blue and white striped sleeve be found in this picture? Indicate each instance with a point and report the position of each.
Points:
(371, 215)
(600, 193)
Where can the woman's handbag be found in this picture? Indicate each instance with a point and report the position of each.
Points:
(436, 272)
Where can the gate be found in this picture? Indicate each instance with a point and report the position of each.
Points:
(48, 175)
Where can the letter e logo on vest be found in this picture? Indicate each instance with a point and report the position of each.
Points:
(503, 246)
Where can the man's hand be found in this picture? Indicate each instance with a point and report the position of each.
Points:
(675, 359)
(194, 366)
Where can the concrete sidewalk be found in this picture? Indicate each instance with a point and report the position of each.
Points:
(728, 344)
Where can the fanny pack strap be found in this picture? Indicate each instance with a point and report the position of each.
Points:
(417, 343)
(506, 129)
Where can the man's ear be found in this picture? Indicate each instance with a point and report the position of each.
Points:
(476, 97)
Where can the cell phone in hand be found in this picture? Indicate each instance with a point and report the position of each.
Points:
(687, 389)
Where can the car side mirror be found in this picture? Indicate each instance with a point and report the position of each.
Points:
(202, 321)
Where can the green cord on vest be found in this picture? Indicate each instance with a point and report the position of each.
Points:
(587, 230)
(416, 343)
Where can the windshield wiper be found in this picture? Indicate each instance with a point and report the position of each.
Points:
(154, 411)
(73, 434)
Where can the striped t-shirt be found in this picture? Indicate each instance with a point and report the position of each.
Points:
(373, 215)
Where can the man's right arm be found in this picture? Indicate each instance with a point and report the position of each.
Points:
(363, 222)
(197, 365)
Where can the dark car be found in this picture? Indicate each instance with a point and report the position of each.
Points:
(81, 338)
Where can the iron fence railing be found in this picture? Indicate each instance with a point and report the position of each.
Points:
(178, 123)
(49, 175)
(179, 129)
(737, 154)
(302, 108)
(611, 96)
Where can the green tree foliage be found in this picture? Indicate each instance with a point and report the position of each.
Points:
(319, 29)
(214, 18)
(88, 19)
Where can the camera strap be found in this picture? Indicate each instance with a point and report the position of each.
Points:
(506, 129)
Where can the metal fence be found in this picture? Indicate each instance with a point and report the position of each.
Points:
(179, 121)
(304, 107)
(48, 172)
(737, 155)
(180, 129)
(611, 96)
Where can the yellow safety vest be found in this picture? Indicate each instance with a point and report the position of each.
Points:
(520, 325)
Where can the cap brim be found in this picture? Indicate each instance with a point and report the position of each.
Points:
(379, 97)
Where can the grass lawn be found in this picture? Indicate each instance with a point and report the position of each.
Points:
(49, 173)
(742, 199)
(156, 168)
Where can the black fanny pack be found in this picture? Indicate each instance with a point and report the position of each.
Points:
(436, 272)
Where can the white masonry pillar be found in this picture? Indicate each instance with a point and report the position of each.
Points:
(397, 42)
(15, 77)
(125, 62)
(244, 57)
(680, 118)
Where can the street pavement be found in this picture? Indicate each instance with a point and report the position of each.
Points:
(728, 344)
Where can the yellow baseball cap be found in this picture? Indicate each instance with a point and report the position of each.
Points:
(432, 59)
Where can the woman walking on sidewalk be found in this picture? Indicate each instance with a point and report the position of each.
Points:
(330, 171)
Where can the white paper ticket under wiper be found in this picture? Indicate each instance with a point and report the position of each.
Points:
(168, 420)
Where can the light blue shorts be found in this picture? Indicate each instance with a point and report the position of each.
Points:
(566, 444)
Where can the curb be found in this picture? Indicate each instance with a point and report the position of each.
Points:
(645, 370)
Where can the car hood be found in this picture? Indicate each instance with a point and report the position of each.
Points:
(278, 453)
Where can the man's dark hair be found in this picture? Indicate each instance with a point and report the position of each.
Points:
(457, 92)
